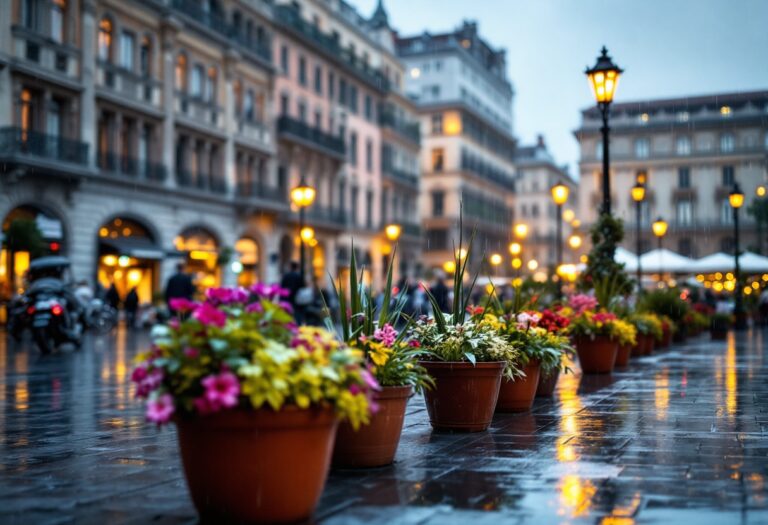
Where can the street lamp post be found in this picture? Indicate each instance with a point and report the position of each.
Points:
(560, 197)
(603, 79)
(659, 228)
(392, 232)
(302, 196)
(638, 194)
(736, 199)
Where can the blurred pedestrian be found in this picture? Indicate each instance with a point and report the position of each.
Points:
(179, 286)
(113, 297)
(131, 306)
(292, 282)
(440, 291)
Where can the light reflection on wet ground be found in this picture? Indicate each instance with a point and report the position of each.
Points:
(678, 436)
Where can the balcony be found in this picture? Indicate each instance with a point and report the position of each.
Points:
(253, 132)
(326, 216)
(291, 19)
(127, 84)
(694, 155)
(480, 168)
(400, 176)
(255, 189)
(296, 130)
(199, 111)
(218, 24)
(214, 184)
(32, 46)
(408, 130)
(114, 164)
(14, 141)
(411, 229)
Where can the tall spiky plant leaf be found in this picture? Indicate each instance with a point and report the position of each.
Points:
(383, 315)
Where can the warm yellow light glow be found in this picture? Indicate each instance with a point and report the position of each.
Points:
(568, 215)
(756, 285)
(700, 278)
(109, 260)
(729, 285)
(765, 277)
(736, 198)
(201, 255)
(392, 231)
(303, 195)
(533, 264)
(760, 191)
(718, 276)
(521, 230)
(517, 262)
(517, 282)
(307, 234)
(603, 85)
(725, 110)
(451, 123)
(729, 276)
(584, 259)
(659, 227)
(515, 248)
(560, 193)
(707, 284)
(540, 277)
(103, 232)
(312, 242)
(134, 277)
(644, 117)
(415, 72)
(717, 286)
(495, 259)
(123, 261)
(449, 266)
(575, 223)
(574, 241)
(638, 192)
(461, 253)
(641, 178)
(747, 290)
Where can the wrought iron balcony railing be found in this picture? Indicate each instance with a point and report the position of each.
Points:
(291, 127)
(16, 141)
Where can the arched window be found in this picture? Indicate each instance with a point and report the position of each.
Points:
(181, 72)
(105, 40)
(210, 85)
(58, 10)
(145, 57)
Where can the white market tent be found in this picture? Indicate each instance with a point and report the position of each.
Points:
(752, 263)
(717, 262)
(626, 257)
(666, 261)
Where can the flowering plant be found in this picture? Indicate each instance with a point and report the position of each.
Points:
(592, 324)
(624, 332)
(647, 324)
(241, 348)
(553, 321)
(535, 341)
(391, 357)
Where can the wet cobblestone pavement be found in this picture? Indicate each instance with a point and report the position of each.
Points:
(680, 437)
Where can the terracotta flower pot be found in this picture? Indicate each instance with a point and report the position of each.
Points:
(518, 395)
(598, 355)
(649, 343)
(718, 335)
(464, 396)
(666, 338)
(374, 445)
(547, 383)
(622, 355)
(247, 466)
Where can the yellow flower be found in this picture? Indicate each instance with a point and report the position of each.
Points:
(379, 353)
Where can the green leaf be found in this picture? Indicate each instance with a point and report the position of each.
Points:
(470, 357)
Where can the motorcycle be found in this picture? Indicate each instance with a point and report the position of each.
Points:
(18, 317)
(55, 313)
(100, 317)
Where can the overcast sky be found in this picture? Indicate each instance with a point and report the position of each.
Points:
(668, 48)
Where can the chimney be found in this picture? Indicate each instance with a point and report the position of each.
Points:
(540, 141)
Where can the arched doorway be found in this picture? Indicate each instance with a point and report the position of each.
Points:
(128, 258)
(248, 263)
(202, 256)
(28, 232)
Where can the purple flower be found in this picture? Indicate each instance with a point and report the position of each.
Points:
(182, 305)
(254, 308)
(269, 290)
(222, 390)
(385, 335)
(285, 305)
(160, 409)
(146, 381)
(219, 296)
(370, 381)
(210, 315)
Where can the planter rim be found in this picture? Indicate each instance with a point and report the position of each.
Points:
(289, 415)
(463, 364)
(596, 338)
(394, 392)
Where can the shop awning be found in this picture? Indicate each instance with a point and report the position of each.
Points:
(716, 262)
(665, 261)
(138, 247)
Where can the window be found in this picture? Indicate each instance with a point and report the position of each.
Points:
(436, 239)
(369, 156)
(331, 85)
(145, 57)
(728, 176)
(127, 41)
(642, 148)
(29, 14)
(318, 119)
(28, 113)
(766, 136)
(437, 159)
(302, 71)
(684, 212)
(353, 99)
(342, 92)
(248, 105)
(354, 204)
(534, 210)
(181, 72)
(302, 112)
(284, 60)
(353, 148)
(599, 150)
(196, 84)
(683, 178)
(685, 248)
(683, 146)
(318, 80)
(58, 8)
(210, 85)
(144, 141)
(727, 143)
(438, 201)
(437, 124)
(368, 107)
(53, 118)
(284, 104)
(683, 116)
(105, 40)
(726, 212)
(369, 209)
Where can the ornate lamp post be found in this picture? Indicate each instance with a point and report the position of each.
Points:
(638, 195)
(659, 228)
(560, 197)
(303, 196)
(736, 199)
(603, 79)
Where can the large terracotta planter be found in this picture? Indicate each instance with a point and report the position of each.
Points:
(248, 466)
(547, 383)
(518, 395)
(649, 342)
(644, 345)
(622, 355)
(464, 396)
(666, 338)
(596, 355)
(375, 444)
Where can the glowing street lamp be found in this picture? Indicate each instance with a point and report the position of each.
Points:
(736, 199)
(659, 228)
(392, 231)
(638, 195)
(302, 197)
(603, 79)
(574, 241)
(515, 248)
(495, 259)
(560, 197)
(521, 230)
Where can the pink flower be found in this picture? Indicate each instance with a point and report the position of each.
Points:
(254, 308)
(210, 315)
(413, 343)
(385, 335)
(269, 290)
(581, 303)
(222, 390)
(146, 381)
(526, 320)
(160, 409)
(203, 406)
(182, 305)
(218, 296)
(369, 380)
(603, 317)
(285, 305)
(192, 353)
